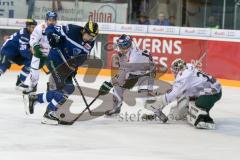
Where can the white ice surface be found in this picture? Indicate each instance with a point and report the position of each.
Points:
(24, 138)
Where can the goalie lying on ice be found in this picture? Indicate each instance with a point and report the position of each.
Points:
(195, 92)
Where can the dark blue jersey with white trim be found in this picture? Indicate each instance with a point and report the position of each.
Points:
(71, 43)
(17, 44)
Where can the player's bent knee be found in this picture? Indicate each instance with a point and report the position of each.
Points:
(69, 89)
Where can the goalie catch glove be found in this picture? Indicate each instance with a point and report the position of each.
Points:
(105, 88)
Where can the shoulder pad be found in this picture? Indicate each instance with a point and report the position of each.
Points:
(21, 31)
(184, 74)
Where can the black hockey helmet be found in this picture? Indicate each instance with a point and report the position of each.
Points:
(91, 28)
(30, 22)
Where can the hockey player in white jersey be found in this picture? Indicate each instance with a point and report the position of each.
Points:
(40, 48)
(195, 92)
(135, 68)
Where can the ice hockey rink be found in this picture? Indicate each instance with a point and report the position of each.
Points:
(23, 137)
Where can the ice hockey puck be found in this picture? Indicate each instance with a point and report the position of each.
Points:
(62, 115)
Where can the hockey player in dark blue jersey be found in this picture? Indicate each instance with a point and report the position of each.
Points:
(16, 49)
(71, 44)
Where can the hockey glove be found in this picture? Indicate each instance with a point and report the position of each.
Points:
(53, 39)
(105, 88)
(37, 51)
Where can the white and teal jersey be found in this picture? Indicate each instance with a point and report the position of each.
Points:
(193, 83)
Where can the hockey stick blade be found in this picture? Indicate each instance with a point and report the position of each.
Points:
(80, 114)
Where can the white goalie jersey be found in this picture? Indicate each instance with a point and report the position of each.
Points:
(193, 83)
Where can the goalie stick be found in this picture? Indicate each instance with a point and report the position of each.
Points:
(197, 62)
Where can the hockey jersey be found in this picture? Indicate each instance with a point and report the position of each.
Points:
(71, 44)
(193, 83)
(38, 37)
(17, 44)
(136, 62)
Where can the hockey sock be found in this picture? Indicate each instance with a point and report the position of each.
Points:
(23, 74)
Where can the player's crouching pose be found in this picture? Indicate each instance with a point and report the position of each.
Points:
(196, 93)
(70, 42)
(16, 49)
(135, 67)
(40, 47)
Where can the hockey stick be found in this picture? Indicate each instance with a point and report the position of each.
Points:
(75, 80)
(80, 114)
(197, 62)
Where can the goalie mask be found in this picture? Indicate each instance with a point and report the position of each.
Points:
(177, 65)
(124, 43)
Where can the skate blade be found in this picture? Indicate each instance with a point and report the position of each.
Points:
(21, 89)
(26, 104)
(49, 121)
(28, 92)
(116, 115)
(204, 125)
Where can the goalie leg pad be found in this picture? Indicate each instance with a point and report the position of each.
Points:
(180, 109)
(199, 118)
(193, 113)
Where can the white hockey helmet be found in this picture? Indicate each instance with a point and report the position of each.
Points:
(178, 65)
